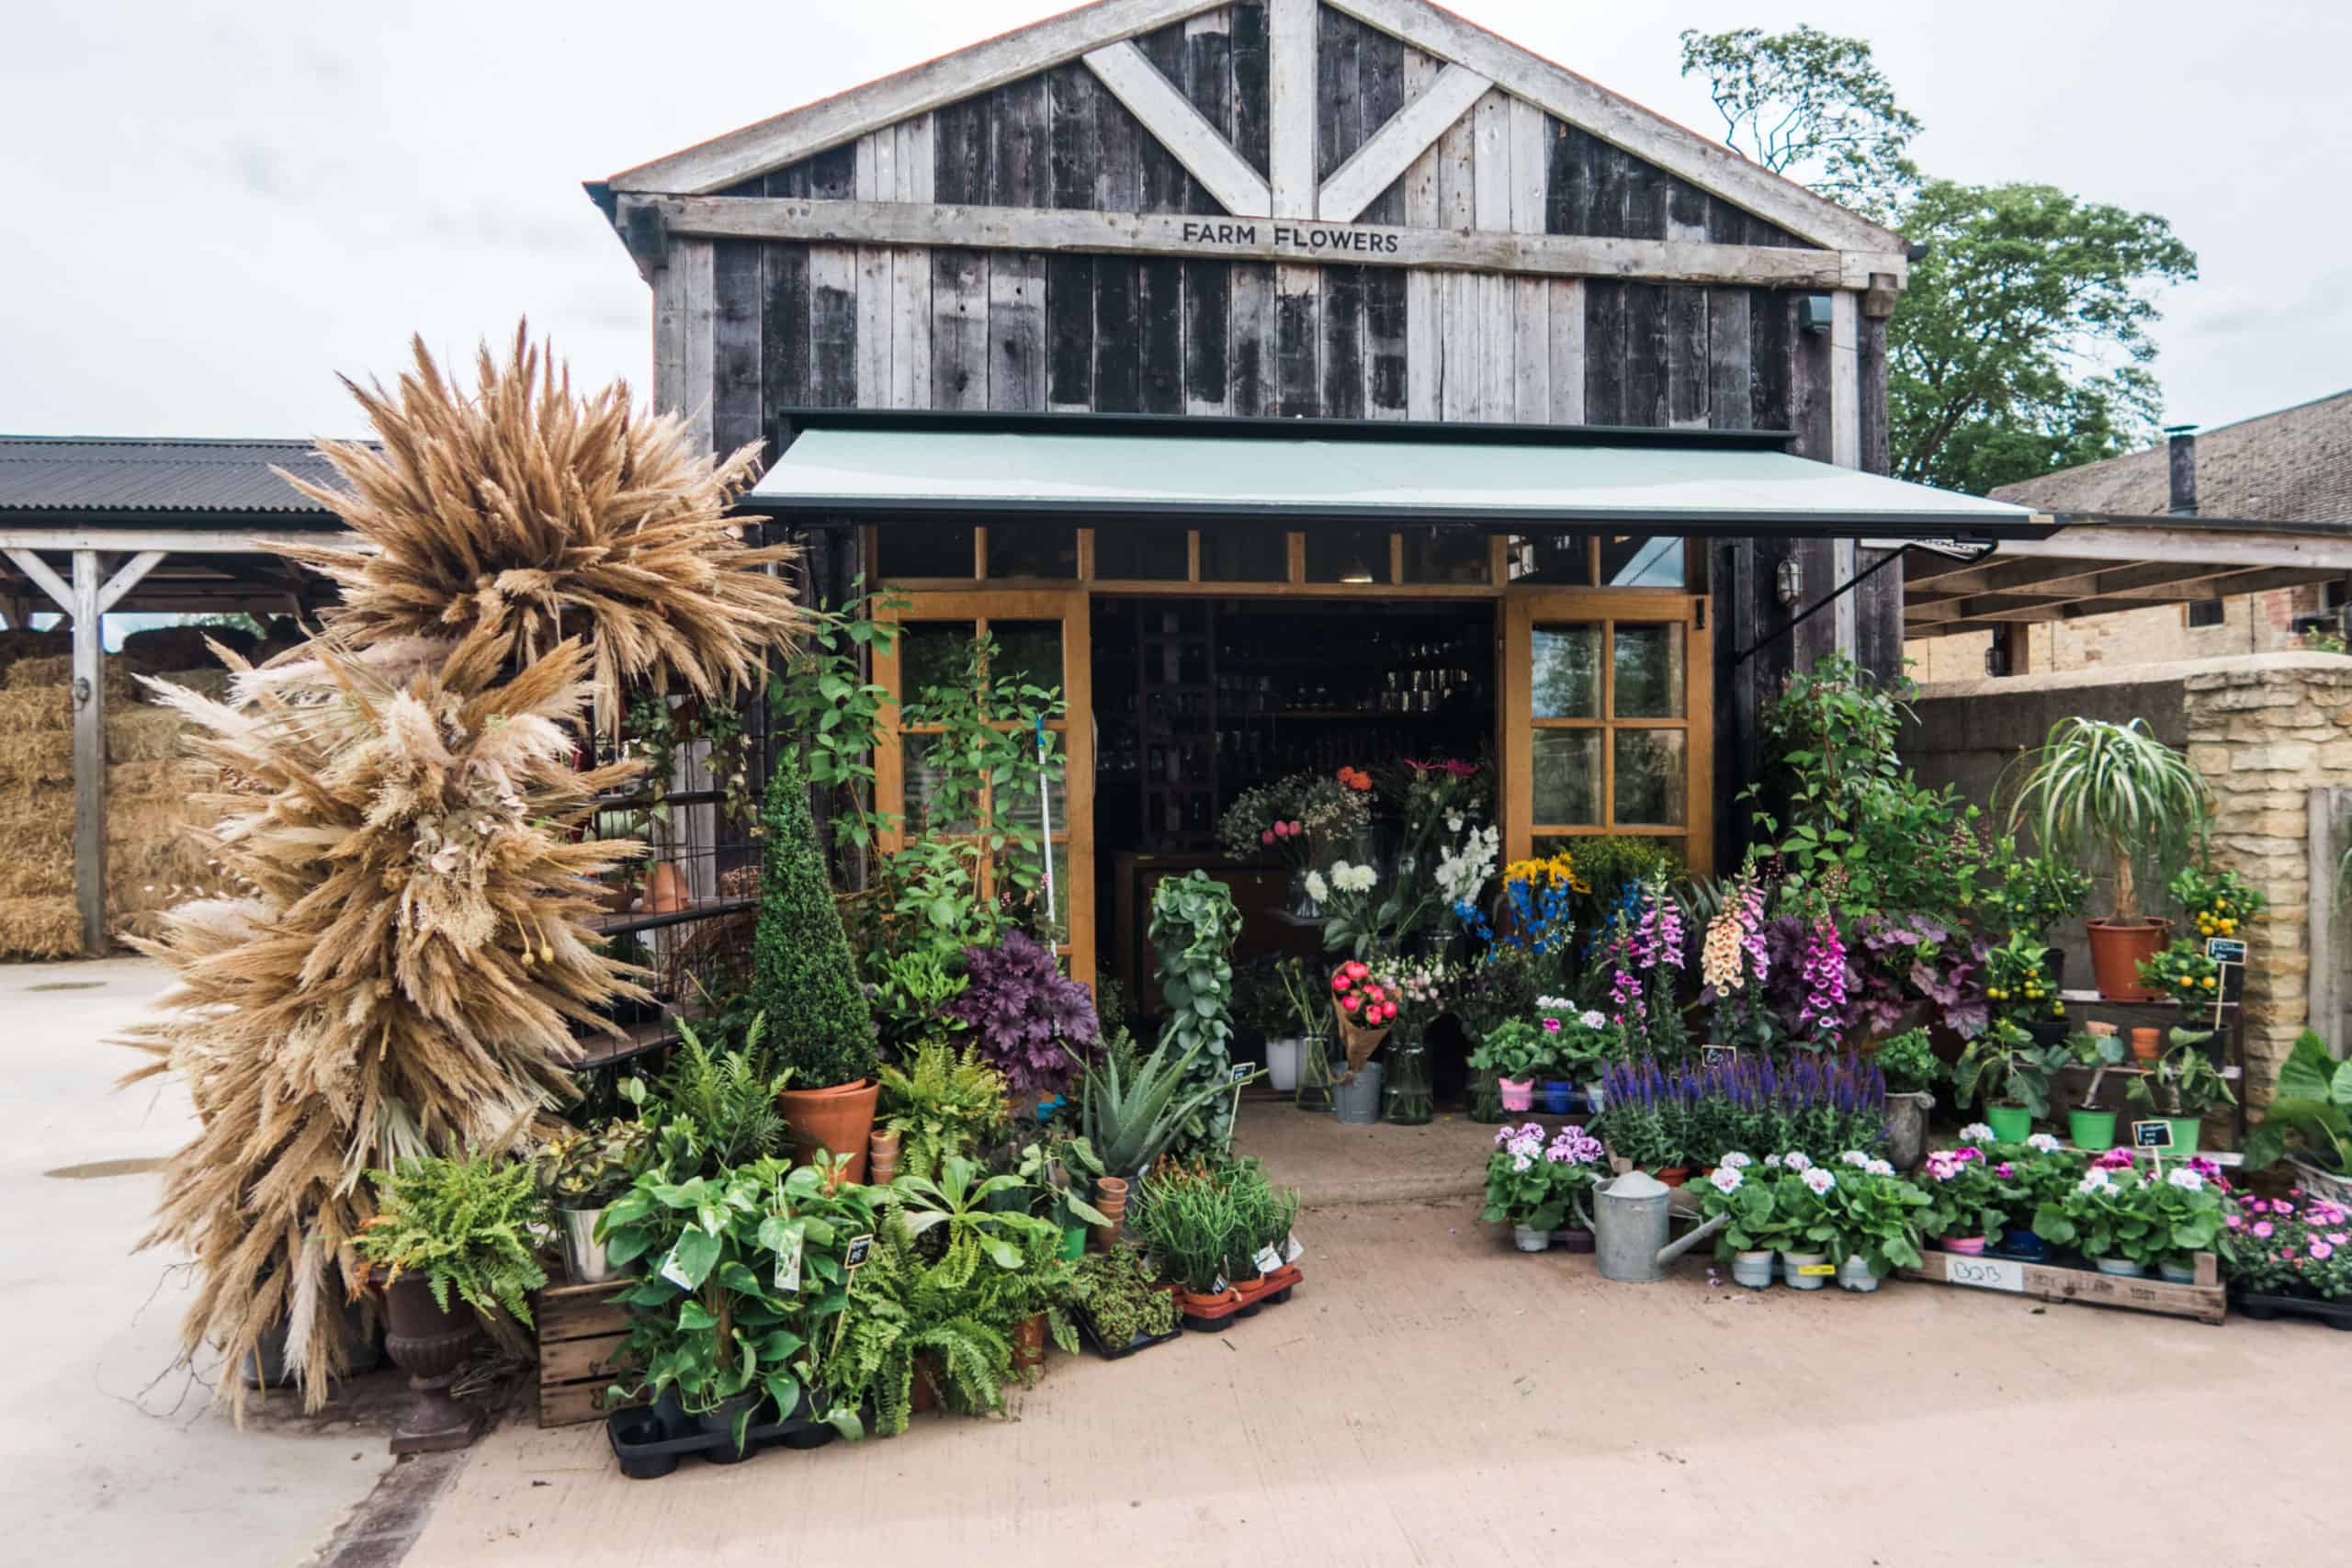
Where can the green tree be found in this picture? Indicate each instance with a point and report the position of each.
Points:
(2021, 343)
(803, 979)
(1811, 106)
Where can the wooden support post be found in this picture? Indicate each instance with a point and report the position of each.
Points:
(89, 754)
(2327, 808)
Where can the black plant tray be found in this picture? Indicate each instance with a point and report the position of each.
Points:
(2262, 1307)
(647, 1460)
(1247, 1306)
(1140, 1342)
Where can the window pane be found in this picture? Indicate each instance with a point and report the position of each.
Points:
(1259, 554)
(1641, 560)
(1016, 800)
(1347, 555)
(1033, 550)
(1566, 682)
(1567, 778)
(1140, 554)
(1558, 559)
(1649, 671)
(923, 780)
(1445, 555)
(1649, 777)
(923, 549)
(1030, 651)
(933, 653)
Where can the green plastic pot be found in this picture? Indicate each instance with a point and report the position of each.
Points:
(1073, 1243)
(2186, 1131)
(2010, 1124)
(2093, 1132)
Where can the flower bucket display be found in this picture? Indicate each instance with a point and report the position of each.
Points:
(1518, 1094)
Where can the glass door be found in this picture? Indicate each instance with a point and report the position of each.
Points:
(1040, 638)
(1607, 721)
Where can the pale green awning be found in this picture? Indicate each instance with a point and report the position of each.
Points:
(874, 466)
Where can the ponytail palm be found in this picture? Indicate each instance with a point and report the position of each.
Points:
(2095, 783)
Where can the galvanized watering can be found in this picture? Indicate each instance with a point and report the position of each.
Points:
(1629, 1227)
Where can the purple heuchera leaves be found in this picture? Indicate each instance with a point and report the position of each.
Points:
(1025, 1015)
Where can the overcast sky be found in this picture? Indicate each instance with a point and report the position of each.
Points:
(212, 208)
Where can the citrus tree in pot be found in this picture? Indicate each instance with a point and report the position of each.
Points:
(2115, 789)
(804, 982)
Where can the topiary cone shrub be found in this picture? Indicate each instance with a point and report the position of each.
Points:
(803, 976)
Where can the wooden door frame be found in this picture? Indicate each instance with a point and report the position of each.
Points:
(1071, 608)
(1514, 718)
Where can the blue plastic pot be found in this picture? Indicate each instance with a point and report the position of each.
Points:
(2023, 1246)
(1557, 1095)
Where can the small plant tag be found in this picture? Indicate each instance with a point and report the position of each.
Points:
(1222, 1285)
(1817, 1268)
(859, 1245)
(787, 1259)
(2151, 1134)
(1293, 1249)
(1241, 1073)
(2226, 950)
(673, 1273)
(1719, 1055)
(1269, 1259)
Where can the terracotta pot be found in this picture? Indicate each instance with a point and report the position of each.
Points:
(1673, 1175)
(665, 890)
(840, 1120)
(1200, 1304)
(1111, 1197)
(620, 896)
(882, 1155)
(430, 1346)
(1029, 1342)
(2147, 1046)
(2117, 950)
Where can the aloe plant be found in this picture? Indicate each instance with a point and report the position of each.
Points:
(1130, 1118)
(2116, 787)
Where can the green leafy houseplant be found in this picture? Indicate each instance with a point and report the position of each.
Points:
(1190, 1226)
(718, 1107)
(2115, 789)
(2033, 893)
(942, 1103)
(2129, 1214)
(1909, 1062)
(1513, 1049)
(588, 1167)
(710, 1318)
(804, 980)
(1874, 1214)
(2017, 979)
(2003, 1067)
(1119, 1295)
(471, 1225)
(820, 696)
(1746, 1195)
(1193, 926)
(2185, 1081)
(2310, 1114)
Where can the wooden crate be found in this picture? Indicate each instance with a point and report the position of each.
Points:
(2205, 1299)
(581, 1330)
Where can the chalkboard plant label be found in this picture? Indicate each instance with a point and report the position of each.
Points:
(1719, 1055)
(2225, 949)
(2151, 1134)
(859, 1245)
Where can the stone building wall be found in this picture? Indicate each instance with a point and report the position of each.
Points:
(2265, 729)
(2251, 623)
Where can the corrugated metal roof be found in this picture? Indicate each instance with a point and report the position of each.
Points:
(140, 474)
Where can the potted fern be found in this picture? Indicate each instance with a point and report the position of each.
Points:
(2118, 790)
(458, 1240)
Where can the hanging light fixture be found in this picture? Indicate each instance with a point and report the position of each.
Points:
(1357, 572)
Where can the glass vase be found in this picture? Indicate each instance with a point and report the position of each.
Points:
(1315, 1074)
(1486, 1098)
(1410, 1103)
(1302, 903)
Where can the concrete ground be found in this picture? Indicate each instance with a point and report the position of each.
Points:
(1430, 1397)
(107, 1456)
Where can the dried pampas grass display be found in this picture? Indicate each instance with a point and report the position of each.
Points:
(402, 977)
(524, 510)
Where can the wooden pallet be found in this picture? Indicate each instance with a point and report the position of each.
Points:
(2205, 1299)
(581, 1331)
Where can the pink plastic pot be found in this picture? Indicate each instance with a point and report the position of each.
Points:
(1974, 1246)
(1518, 1094)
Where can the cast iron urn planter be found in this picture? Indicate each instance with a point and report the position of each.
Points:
(429, 1345)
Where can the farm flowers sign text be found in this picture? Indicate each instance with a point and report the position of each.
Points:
(1320, 239)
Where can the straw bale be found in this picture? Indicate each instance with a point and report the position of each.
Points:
(40, 928)
(138, 732)
(41, 757)
(160, 853)
(213, 683)
(57, 671)
(22, 713)
(36, 842)
(18, 643)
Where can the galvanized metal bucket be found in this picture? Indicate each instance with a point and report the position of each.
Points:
(582, 1253)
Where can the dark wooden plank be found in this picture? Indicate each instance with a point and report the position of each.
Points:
(1686, 208)
(1339, 114)
(833, 174)
(1728, 351)
(1571, 182)
(1810, 413)
(1605, 347)
(1646, 189)
(1871, 391)
(792, 180)
(1117, 335)
(784, 327)
(1688, 373)
(1073, 150)
(737, 412)
(1645, 354)
(1298, 347)
(1384, 318)
(959, 329)
(1020, 171)
(959, 153)
(1120, 143)
(1380, 80)
(1208, 305)
(1878, 604)
(833, 339)
(1069, 332)
(1016, 327)
(1252, 124)
(1160, 307)
(1343, 343)
(1771, 332)
(1208, 83)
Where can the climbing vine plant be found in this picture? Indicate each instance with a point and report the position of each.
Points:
(1193, 923)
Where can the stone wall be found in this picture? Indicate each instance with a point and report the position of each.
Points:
(2265, 729)
(2251, 623)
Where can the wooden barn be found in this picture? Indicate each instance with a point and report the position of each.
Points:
(1303, 382)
